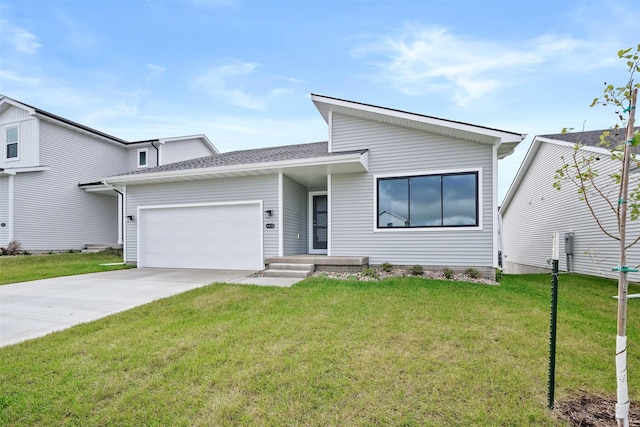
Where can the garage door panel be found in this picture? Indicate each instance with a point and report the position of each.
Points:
(220, 236)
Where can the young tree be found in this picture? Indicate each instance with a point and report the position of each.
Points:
(581, 170)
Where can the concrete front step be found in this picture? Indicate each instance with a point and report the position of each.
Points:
(92, 248)
(287, 273)
(291, 266)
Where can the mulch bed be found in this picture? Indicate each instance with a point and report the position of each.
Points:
(594, 411)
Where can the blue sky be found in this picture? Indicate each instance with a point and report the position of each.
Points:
(241, 71)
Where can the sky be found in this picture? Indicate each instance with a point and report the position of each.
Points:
(242, 71)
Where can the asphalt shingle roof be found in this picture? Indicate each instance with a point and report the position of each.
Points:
(242, 157)
(591, 138)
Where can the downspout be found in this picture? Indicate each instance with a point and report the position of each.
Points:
(157, 155)
(120, 215)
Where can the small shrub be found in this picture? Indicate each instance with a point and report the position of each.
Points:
(416, 270)
(448, 273)
(13, 248)
(386, 267)
(26, 253)
(473, 273)
(370, 272)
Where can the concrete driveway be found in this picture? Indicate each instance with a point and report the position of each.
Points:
(33, 309)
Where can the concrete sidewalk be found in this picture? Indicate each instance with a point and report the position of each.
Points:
(33, 309)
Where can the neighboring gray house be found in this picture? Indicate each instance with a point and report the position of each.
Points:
(233, 210)
(51, 171)
(532, 210)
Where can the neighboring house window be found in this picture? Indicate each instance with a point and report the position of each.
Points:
(143, 154)
(12, 142)
(443, 200)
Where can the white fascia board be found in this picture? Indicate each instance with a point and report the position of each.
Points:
(503, 136)
(595, 149)
(13, 171)
(17, 104)
(80, 130)
(522, 170)
(265, 166)
(200, 136)
(531, 154)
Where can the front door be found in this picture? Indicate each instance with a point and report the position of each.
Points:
(319, 223)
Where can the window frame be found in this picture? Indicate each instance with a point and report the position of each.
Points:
(16, 143)
(432, 228)
(144, 150)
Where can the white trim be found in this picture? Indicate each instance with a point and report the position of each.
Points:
(280, 214)
(124, 213)
(13, 171)
(494, 204)
(95, 134)
(329, 215)
(531, 155)
(139, 210)
(310, 196)
(159, 152)
(120, 216)
(330, 136)
(479, 227)
(144, 150)
(201, 136)
(504, 136)
(10, 208)
(250, 167)
(6, 142)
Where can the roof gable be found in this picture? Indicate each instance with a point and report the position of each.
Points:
(589, 139)
(505, 141)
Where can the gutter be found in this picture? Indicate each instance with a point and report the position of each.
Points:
(264, 166)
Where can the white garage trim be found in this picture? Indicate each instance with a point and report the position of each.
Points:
(255, 261)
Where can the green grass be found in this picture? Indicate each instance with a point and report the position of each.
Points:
(404, 351)
(33, 267)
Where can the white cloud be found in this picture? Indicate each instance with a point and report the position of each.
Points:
(217, 81)
(18, 39)
(228, 80)
(6, 75)
(155, 71)
(423, 60)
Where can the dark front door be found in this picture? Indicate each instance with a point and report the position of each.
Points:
(320, 222)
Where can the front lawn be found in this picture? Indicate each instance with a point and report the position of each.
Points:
(32, 267)
(404, 351)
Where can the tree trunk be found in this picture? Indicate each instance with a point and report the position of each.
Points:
(622, 405)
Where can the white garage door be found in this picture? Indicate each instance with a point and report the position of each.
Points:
(213, 237)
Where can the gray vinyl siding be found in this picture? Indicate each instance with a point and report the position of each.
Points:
(537, 209)
(397, 150)
(50, 211)
(177, 151)
(132, 157)
(250, 188)
(295, 218)
(28, 148)
(4, 210)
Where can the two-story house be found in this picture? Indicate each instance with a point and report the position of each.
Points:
(51, 169)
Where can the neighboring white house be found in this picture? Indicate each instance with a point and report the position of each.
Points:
(51, 169)
(436, 178)
(532, 209)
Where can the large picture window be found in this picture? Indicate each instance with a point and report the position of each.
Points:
(443, 200)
